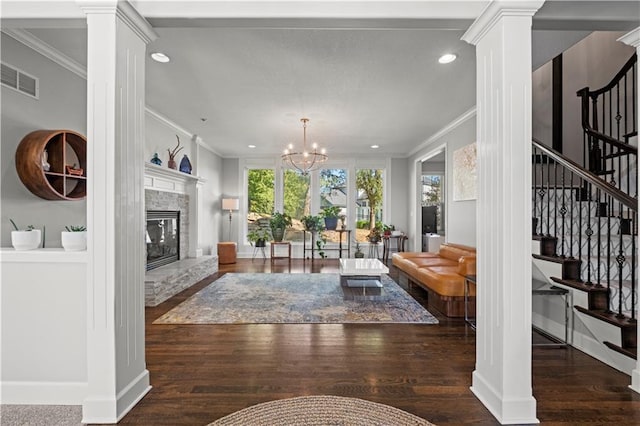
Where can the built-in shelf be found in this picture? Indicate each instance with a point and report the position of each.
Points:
(47, 255)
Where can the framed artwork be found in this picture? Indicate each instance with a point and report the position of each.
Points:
(464, 173)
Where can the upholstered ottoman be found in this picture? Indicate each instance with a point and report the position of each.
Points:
(226, 253)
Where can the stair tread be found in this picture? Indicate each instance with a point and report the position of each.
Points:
(608, 317)
(580, 285)
(630, 352)
(556, 259)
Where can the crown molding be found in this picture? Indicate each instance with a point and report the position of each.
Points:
(80, 70)
(632, 38)
(169, 123)
(446, 129)
(46, 50)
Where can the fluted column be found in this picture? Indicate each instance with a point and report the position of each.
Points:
(502, 378)
(117, 374)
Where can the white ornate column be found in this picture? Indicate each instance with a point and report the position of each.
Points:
(633, 39)
(117, 374)
(502, 378)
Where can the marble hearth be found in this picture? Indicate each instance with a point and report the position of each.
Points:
(162, 283)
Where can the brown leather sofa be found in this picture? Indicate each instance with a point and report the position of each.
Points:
(441, 275)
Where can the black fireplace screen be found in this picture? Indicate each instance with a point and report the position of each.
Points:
(163, 238)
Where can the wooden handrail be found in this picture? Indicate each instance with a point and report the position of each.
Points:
(625, 68)
(611, 141)
(586, 175)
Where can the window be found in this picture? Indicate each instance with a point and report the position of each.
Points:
(333, 192)
(432, 203)
(297, 201)
(260, 197)
(370, 188)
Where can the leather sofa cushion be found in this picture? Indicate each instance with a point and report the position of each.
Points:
(455, 251)
(408, 254)
(444, 280)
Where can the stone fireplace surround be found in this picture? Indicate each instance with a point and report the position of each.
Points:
(167, 189)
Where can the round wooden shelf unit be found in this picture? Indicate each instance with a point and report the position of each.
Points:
(64, 148)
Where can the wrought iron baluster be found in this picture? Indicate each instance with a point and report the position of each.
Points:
(572, 217)
(563, 213)
(547, 160)
(621, 260)
(599, 213)
(609, 215)
(589, 232)
(634, 233)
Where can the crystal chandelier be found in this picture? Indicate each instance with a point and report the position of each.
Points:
(304, 161)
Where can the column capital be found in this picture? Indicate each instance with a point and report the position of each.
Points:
(125, 11)
(496, 10)
(631, 38)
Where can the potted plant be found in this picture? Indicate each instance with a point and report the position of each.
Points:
(279, 222)
(375, 234)
(320, 243)
(74, 238)
(259, 237)
(25, 239)
(358, 254)
(312, 223)
(330, 215)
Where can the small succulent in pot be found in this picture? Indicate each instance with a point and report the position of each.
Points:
(74, 238)
(25, 239)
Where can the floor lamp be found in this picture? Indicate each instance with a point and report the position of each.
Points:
(230, 204)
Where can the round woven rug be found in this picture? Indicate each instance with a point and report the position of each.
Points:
(321, 411)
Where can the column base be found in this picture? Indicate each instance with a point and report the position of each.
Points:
(508, 412)
(112, 410)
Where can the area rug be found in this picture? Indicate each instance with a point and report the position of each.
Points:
(293, 298)
(321, 411)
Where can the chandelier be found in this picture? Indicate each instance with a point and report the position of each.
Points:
(304, 161)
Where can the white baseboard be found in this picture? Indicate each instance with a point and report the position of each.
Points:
(112, 410)
(506, 411)
(43, 393)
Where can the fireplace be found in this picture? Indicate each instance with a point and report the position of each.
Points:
(162, 237)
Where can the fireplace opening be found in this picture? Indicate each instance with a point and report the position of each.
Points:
(162, 237)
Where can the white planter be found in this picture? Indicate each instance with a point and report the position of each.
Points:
(26, 240)
(74, 241)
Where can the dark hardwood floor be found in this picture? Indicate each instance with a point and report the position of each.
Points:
(200, 373)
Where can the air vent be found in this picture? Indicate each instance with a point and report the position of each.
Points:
(18, 80)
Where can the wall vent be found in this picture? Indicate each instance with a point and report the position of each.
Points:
(20, 81)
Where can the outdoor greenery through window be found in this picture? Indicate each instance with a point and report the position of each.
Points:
(297, 201)
(333, 192)
(370, 187)
(432, 196)
(260, 198)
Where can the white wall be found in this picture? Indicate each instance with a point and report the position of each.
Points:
(398, 198)
(460, 215)
(161, 136)
(44, 321)
(210, 168)
(62, 105)
(542, 95)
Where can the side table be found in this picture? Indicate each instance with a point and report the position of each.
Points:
(274, 245)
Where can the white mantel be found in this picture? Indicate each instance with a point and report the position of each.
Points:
(165, 179)
(160, 178)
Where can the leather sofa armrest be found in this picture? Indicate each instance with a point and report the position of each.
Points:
(467, 265)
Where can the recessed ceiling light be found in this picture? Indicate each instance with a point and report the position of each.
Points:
(447, 58)
(375, 146)
(160, 57)
(251, 146)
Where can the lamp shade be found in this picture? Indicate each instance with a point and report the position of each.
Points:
(230, 204)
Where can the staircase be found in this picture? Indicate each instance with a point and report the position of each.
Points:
(585, 222)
